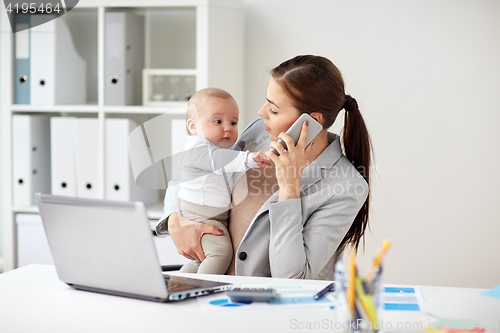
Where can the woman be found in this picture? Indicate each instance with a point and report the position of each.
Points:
(322, 198)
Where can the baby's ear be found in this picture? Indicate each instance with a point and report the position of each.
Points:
(191, 126)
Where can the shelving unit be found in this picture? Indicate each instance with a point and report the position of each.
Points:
(205, 35)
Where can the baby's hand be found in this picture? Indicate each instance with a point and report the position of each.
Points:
(262, 160)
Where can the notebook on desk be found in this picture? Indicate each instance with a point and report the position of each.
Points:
(107, 247)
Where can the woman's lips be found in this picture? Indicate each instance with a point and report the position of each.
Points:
(268, 129)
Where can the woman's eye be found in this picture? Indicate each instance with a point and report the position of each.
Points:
(272, 111)
(217, 121)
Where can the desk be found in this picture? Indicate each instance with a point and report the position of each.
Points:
(33, 299)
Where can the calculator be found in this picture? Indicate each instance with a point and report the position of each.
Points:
(251, 294)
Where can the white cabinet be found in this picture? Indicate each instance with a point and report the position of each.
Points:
(203, 38)
(32, 246)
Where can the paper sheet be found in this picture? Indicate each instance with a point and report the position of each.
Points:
(465, 305)
(396, 298)
(290, 296)
(402, 298)
(495, 292)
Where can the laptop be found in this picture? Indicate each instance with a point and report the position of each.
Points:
(107, 247)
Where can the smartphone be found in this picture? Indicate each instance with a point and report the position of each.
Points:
(296, 128)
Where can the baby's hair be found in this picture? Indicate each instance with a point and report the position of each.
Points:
(205, 93)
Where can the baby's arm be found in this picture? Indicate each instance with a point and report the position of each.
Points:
(232, 161)
(261, 159)
(212, 158)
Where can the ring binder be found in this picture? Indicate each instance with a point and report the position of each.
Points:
(124, 58)
(30, 157)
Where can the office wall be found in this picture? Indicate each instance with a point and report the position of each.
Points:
(1, 222)
(427, 77)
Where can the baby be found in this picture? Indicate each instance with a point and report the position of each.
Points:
(206, 170)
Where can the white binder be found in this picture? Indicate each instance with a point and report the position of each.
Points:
(87, 146)
(22, 73)
(30, 157)
(58, 73)
(63, 159)
(120, 184)
(124, 58)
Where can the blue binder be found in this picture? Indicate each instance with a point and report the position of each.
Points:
(22, 91)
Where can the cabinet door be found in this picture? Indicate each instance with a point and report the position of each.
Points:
(32, 246)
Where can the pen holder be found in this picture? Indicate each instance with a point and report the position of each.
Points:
(360, 306)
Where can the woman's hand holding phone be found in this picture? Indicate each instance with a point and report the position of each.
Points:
(295, 132)
(291, 162)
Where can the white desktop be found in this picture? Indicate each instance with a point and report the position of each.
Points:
(33, 299)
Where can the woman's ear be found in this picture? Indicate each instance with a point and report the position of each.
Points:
(191, 126)
(318, 116)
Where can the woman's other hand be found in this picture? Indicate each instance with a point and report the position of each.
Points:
(291, 163)
(187, 236)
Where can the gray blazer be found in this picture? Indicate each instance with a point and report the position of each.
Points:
(298, 238)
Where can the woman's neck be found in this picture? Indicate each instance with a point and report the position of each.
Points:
(320, 144)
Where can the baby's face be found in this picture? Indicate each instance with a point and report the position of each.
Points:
(219, 121)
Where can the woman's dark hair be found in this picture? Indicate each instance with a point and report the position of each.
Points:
(315, 85)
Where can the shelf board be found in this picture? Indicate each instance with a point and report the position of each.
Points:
(236, 4)
(155, 211)
(25, 209)
(55, 108)
(172, 108)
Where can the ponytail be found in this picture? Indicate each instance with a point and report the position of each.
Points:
(357, 147)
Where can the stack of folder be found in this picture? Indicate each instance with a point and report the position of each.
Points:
(59, 155)
(47, 68)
